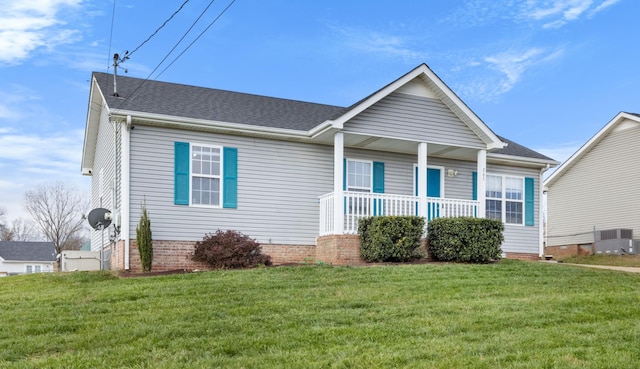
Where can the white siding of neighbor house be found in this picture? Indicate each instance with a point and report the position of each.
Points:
(416, 118)
(600, 190)
(104, 167)
(10, 267)
(521, 238)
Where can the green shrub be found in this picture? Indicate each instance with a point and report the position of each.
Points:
(144, 241)
(471, 240)
(230, 250)
(390, 238)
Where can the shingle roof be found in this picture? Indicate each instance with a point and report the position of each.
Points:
(515, 149)
(194, 102)
(211, 104)
(27, 251)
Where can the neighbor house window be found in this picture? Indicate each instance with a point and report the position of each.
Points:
(37, 268)
(205, 175)
(29, 268)
(505, 199)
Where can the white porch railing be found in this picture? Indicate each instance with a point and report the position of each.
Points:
(363, 204)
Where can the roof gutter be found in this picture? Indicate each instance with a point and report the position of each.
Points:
(161, 120)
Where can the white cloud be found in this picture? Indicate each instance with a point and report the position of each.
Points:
(29, 159)
(385, 45)
(505, 71)
(557, 13)
(28, 25)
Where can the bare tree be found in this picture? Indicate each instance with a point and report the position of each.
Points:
(3, 213)
(19, 230)
(57, 210)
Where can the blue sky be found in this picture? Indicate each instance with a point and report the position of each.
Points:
(547, 74)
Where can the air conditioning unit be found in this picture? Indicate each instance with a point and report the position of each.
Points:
(615, 241)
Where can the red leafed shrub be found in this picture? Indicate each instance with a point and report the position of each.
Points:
(230, 250)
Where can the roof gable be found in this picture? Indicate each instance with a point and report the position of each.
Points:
(433, 87)
(27, 251)
(618, 122)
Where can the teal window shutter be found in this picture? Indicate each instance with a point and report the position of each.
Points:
(230, 177)
(378, 186)
(475, 186)
(529, 205)
(181, 173)
(344, 174)
(378, 177)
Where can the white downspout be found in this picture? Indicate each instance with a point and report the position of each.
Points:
(126, 210)
(481, 185)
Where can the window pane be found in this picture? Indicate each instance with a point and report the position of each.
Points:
(494, 209)
(494, 187)
(513, 212)
(29, 269)
(38, 269)
(514, 188)
(358, 176)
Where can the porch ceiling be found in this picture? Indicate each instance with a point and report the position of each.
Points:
(402, 146)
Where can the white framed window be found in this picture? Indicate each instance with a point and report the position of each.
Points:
(28, 268)
(359, 177)
(205, 175)
(505, 199)
(37, 268)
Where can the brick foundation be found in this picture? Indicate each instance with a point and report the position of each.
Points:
(283, 254)
(339, 250)
(564, 251)
(522, 256)
(333, 249)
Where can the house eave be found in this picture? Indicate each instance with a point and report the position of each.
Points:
(204, 125)
(520, 161)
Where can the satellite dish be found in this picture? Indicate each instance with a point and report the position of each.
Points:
(99, 218)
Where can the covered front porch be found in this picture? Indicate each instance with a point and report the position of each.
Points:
(357, 205)
(341, 209)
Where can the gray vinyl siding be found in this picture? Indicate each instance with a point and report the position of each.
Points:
(520, 238)
(413, 117)
(599, 191)
(104, 164)
(278, 187)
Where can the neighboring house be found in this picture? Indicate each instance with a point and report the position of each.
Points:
(19, 257)
(297, 176)
(595, 189)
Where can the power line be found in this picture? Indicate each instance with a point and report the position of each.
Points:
(196, 39)
(177, 43)
(159, 28)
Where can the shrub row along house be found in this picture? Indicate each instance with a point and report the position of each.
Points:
(297, 176)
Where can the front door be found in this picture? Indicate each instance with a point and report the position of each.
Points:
(434, 189)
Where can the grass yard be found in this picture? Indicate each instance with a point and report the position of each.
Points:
(615, 260)
(506, 315)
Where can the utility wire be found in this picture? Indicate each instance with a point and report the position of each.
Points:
(159, 28)
(169, 53)
(196, 39)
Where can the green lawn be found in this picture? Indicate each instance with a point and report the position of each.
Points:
(615, 260)
(506, 315)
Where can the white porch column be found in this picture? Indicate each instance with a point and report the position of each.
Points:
(338, 183)
(422, 180)
(482, 183)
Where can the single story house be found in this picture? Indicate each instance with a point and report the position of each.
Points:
(294, 175)
(594, 191)
(19, 257)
